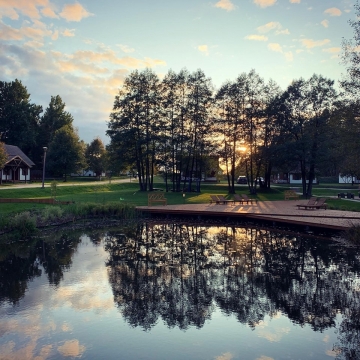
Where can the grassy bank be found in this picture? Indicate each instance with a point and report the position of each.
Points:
(103, 193)
(118, 200)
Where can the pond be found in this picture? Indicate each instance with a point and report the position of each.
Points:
(179, 291)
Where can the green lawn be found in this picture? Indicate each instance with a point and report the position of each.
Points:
(103, 192)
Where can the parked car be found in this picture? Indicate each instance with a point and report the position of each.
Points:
(242, 180)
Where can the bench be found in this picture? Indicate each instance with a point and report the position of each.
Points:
(290, 194)
(156, 197)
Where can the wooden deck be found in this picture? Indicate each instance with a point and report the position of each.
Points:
(279, 211)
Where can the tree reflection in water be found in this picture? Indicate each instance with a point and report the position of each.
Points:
(181, 273)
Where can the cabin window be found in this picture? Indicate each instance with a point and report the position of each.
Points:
(25, 172)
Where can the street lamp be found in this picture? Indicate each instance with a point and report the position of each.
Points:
(43, 178)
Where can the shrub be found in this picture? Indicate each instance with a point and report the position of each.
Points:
(51, 213)
(24, 223)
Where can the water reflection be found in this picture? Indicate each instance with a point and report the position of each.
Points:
(181, 274)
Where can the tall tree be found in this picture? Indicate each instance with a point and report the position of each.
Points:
(344, 128)
(54, 118)
(174, 98)
(134, 124)
(66, 152)
(95, 155)
(19, 119)
(306, 110)
(351, 57)
(199, 126)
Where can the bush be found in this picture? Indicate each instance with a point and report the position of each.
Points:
(122, 210)
(24, 223)
(50, 213)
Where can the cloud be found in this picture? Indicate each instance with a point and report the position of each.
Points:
(282, 32)
(125, 48)
(49, 12)
(295, 1)
(264, 3)
(310, 43)
(272, 335)
(37, 32)
(28, 8)
(268, 27)
(275, 47)
(71, 348)
(278, 48)
(74, 12)
(225, 356)
(333, 11)
(332, 50)
(34, 44)
(33, 9)
(68, 32)
(273, 25)
(8, 33)
(256, 37)
(225, 4)
(263, 357)
(325, 23)
(204, 49)
(55, 35)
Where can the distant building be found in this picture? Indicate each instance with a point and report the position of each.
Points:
(87, 173)
(17, 166)
(345, 179)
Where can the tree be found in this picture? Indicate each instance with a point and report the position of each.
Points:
(199, 125)
(3, 159)
(19, 119)
(95, 155)
(66, 152)
(242, 125)
(304, 115)
(344, 129)
(54, 118)
(351, 57)
(134, 124)
(174, 98)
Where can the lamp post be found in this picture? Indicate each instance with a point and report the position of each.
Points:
(43, 177)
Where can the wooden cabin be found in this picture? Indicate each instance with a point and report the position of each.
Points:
(17, 167)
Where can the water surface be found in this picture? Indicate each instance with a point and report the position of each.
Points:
(179, 291)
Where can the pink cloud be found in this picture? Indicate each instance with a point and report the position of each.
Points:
(74, 12)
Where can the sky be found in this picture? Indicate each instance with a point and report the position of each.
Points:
(84, 50)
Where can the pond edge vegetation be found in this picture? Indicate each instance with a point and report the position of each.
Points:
(27, 223)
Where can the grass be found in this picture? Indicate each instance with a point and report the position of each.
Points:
(128, 193)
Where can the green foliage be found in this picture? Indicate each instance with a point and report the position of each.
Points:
(23, 223)
(65, 154)
(54, 118)
(120, 210)
(19, 119)
(51, 213)
(95, 155)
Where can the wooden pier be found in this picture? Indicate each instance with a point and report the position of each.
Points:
(277, 211)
